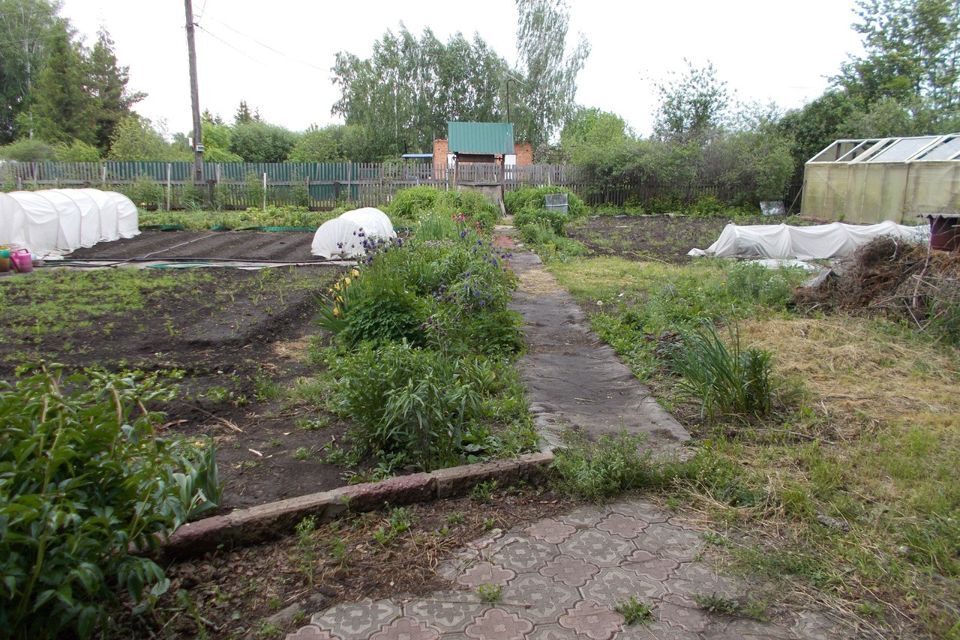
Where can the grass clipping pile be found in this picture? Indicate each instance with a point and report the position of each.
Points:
(896, 280)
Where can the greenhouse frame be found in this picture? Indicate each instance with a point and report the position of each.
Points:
(874, 179)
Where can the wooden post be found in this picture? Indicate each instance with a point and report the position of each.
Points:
(169, 187)
(103, 175)
(264, 190)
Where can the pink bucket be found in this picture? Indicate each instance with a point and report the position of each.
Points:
(22, 261)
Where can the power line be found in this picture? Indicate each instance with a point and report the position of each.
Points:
(267, 46)
(228, 44)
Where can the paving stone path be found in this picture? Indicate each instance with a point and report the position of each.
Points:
(562, 578)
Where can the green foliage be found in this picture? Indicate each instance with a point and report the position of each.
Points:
(107, 83)
(420, 406)
(262, 142)
(606, 468)
(532, 199)
(543, 238)
(334, 143)
(404, 94)
(83, 478)
(61, 110)
(727, 380)
(692, 105)
(28, 150)
(135, 139)
(490, 593)
(592, 134)
(634, 611)
(146, 193)
(273, 216)
(77, 151)
(409, 205)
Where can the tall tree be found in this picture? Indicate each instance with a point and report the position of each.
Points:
(409, 88)
(107, 82)
(548, 89)
(243, 114)
(26, 28)
(692, 104)
(62, 108)
(911, 54)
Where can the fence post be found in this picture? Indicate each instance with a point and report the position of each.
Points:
(264, 190)
(168, 186)
(103, 175)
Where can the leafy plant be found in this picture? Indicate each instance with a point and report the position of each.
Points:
(83, 479)
(717, 603)
(634, 611)
(490, 593)
(605, 468)
(483, 491)
(728, 380)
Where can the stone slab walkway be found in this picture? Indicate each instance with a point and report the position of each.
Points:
(563, 578)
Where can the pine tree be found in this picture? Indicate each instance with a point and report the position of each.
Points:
(107, 83)
(62, 107)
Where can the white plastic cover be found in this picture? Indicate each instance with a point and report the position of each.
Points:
(835, 240)
(343, 237)
(57, 221)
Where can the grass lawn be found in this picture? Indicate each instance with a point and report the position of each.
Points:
(847, 492)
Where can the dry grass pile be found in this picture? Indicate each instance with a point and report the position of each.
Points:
(857, 377)
(896, 280)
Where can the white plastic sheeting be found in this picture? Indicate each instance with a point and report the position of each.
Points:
(343, 237)
(824, 241)
(56, 221)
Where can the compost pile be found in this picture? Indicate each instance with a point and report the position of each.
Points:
(894, 279)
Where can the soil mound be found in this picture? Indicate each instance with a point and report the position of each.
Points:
(896, 280)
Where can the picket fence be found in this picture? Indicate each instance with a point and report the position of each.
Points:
(170, 185)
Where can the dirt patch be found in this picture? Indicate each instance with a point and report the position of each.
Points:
(231, 340)
(199, 245)
(232, 593)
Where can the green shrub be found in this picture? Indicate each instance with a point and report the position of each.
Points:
(418, 406)
(77, 151)
(728, 381)
(544, 239)
(556, 220)
(532, 199)
(82, 478)
(410, 205)
(146, 193)
(253, 190)
(606, 468)
(27, 150)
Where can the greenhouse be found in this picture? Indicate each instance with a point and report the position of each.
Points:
(876, 179)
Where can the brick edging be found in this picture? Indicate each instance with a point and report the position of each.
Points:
(274, 519)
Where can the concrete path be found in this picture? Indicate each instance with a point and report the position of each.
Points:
(563, 578)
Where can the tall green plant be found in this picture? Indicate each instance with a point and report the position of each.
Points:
(83, 478)
(727, 380)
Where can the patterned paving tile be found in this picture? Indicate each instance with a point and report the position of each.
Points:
(585, 516)
(406, 629)
(311, 632)
(597, 547)
(497, 624)
(551, 531)
(645, 511)
(613, 585)
(543, 599)
(521, 554)
(697, 578)
(592, 620)
(648, 566)
(446, 615)
(485, 573)
(666, 540)
(552, 632)
(570, 571)
(626, 527)
(686, 616)
(656, 631)
(460, 561)
(356, 619)
(487, 540)
(741, 629)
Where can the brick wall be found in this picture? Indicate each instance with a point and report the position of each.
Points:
(440, 147)
(524, 151)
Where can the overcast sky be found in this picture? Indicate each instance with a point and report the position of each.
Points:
(277, 55)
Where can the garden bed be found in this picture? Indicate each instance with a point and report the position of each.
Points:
(231, 340)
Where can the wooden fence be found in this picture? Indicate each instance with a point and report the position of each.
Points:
(169, 185)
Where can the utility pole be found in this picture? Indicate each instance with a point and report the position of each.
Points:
(195, 98)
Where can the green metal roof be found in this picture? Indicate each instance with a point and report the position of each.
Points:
(482, 138)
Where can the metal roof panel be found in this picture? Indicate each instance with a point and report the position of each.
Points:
(480, 138)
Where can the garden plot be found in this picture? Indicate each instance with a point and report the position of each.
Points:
(231, 340)
(205, 245)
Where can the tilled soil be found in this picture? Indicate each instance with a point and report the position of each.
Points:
(200, 245)
(231, 342)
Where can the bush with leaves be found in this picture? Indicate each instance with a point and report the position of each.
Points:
(410, 205)
(534, 199)
(83, 478)
(422, 407)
